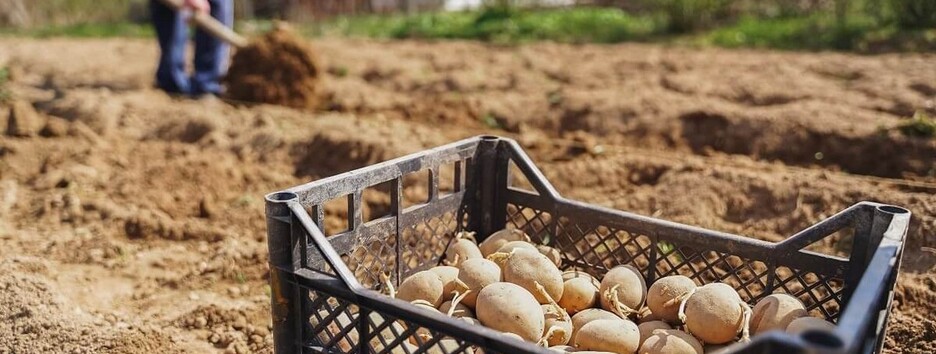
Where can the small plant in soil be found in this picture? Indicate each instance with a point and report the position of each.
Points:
(921, 125)
(5, 95)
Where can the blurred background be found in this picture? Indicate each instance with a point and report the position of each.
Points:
(859, 25)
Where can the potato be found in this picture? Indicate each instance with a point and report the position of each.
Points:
(579, 294)
(526, 268)
(623, 291)
(646, 329)
(424, 285)
(714, 313)
(776, 311)
(558, 326)
(509, 308)
(588, 315)
(458, 310)
(553, 254)
(671, 341)
(477, 273)
(804, 324)
(617, 336)
(492, 243)
(461, 249)
(665, 295)
(449, 276)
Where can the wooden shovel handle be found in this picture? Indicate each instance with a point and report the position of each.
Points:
(210, 25)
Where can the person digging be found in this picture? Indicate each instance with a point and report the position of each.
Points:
(278, 68)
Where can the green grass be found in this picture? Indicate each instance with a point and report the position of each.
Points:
(572, 25)
(819, 32)
(86, 30)
(813, 32)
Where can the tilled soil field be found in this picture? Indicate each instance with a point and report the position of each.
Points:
(132, 221)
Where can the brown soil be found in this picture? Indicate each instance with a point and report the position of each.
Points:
(134, 220)
(277, 68)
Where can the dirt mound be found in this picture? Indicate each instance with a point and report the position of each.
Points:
(278, 68)
(38, 320)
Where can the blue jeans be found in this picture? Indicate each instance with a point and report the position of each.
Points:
(210, 53)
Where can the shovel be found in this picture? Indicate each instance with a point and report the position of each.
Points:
(210, 25)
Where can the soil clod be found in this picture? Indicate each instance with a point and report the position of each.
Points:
(278, 68)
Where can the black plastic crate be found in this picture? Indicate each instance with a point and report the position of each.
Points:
(325, 288)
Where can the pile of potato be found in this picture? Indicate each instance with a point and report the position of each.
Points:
(511, 285)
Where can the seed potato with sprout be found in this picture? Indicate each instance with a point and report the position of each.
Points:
(579, 294)
(475, 274)
(462, 248)
(588, 315)
(646, 329)
(449, 277)
(666, 293)
(494, 242)
(715, 314)
(671, 341)
(617, 336)
(804, 324)
(776, 311)
(558, 326)
(424, 285)
(456, 310)
(509, 308)
(526, 268)
(623, 291)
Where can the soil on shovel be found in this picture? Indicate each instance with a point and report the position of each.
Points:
(277, 68)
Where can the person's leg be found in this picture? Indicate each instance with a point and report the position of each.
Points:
(211, 54)
(172, 33)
